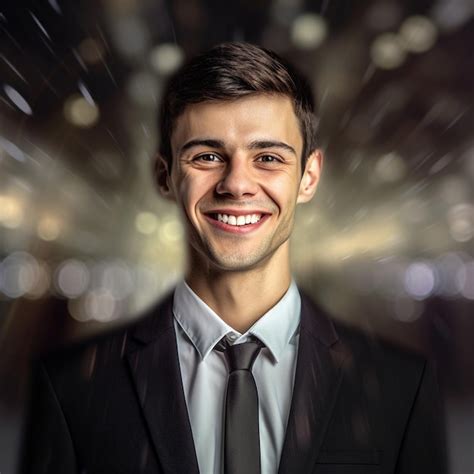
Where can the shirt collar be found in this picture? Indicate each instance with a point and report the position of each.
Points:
(205, 328)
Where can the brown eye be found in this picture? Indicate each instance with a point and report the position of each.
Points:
(269, 159)
(209, 157)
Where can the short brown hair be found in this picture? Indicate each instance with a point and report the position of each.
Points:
(230, 71)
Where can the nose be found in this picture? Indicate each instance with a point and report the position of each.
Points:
(238, 179)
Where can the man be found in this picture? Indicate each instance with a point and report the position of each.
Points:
(236, 371)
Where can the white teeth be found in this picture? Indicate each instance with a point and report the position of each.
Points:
(239, 220)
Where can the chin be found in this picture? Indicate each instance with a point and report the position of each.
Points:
(236, 262)
(235, 265)
(215, 257)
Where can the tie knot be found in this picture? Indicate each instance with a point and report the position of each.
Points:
(240, 356)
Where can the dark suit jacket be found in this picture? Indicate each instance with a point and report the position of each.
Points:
(117, 405)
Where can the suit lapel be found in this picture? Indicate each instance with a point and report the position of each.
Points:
(154, 366)
(317, 380)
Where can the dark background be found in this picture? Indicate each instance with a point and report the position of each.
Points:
(387, 244)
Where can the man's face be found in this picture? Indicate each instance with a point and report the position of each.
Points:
(236, 175)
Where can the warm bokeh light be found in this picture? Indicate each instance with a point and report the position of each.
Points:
(100, 305)
(49, 228)
(166, 58)
(80, 112)
(418, 34)
(146, 222)
(387, 51)
(11, 212)
(390, 168)
(171, 230)
(308, 31)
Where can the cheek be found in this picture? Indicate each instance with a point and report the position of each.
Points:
(282, 189)
(193, 188)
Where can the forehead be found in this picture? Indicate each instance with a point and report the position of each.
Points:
(259, 116)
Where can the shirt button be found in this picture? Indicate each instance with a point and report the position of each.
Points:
(232, 337)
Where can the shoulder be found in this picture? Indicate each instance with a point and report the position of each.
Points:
(82, 359)
(390, 378)
(363, 350)
(375, 360)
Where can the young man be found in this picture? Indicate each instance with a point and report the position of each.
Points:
(236, 371)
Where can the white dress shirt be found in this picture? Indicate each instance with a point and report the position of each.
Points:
(204, 373)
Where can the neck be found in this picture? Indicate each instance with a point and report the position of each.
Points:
(240, 298)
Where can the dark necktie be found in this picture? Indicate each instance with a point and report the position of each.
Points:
(241, 433)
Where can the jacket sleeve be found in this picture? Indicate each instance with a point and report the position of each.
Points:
(47, 445)
(423, 447)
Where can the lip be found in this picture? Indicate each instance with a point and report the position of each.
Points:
(236, 212)
(235, 229)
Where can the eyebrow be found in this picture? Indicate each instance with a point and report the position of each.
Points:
(209, 142)
(254, 145)
(261, 144)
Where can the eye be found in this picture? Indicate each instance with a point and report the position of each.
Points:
(208, 157)
(268, 159)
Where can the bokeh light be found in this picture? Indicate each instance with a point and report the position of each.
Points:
(100, 305)
(18, 99)
(308, 31)
(387, 51)
(452, 14)
(166, 58)
(117, 280)
(447, 268)
(49, 228)
(11, 212)
(18, 274)
(420, 280)
(80, 112)
(418, 34)
(461, 222)
(465, 280)
(146, 222)
(72, 278)
(390, 167)
(171, 230)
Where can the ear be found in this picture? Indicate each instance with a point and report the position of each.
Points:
(310, 178)
(163, 177)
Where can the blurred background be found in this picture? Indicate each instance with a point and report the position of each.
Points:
(387, 244)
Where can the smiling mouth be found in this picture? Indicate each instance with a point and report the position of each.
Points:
(237, 221)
